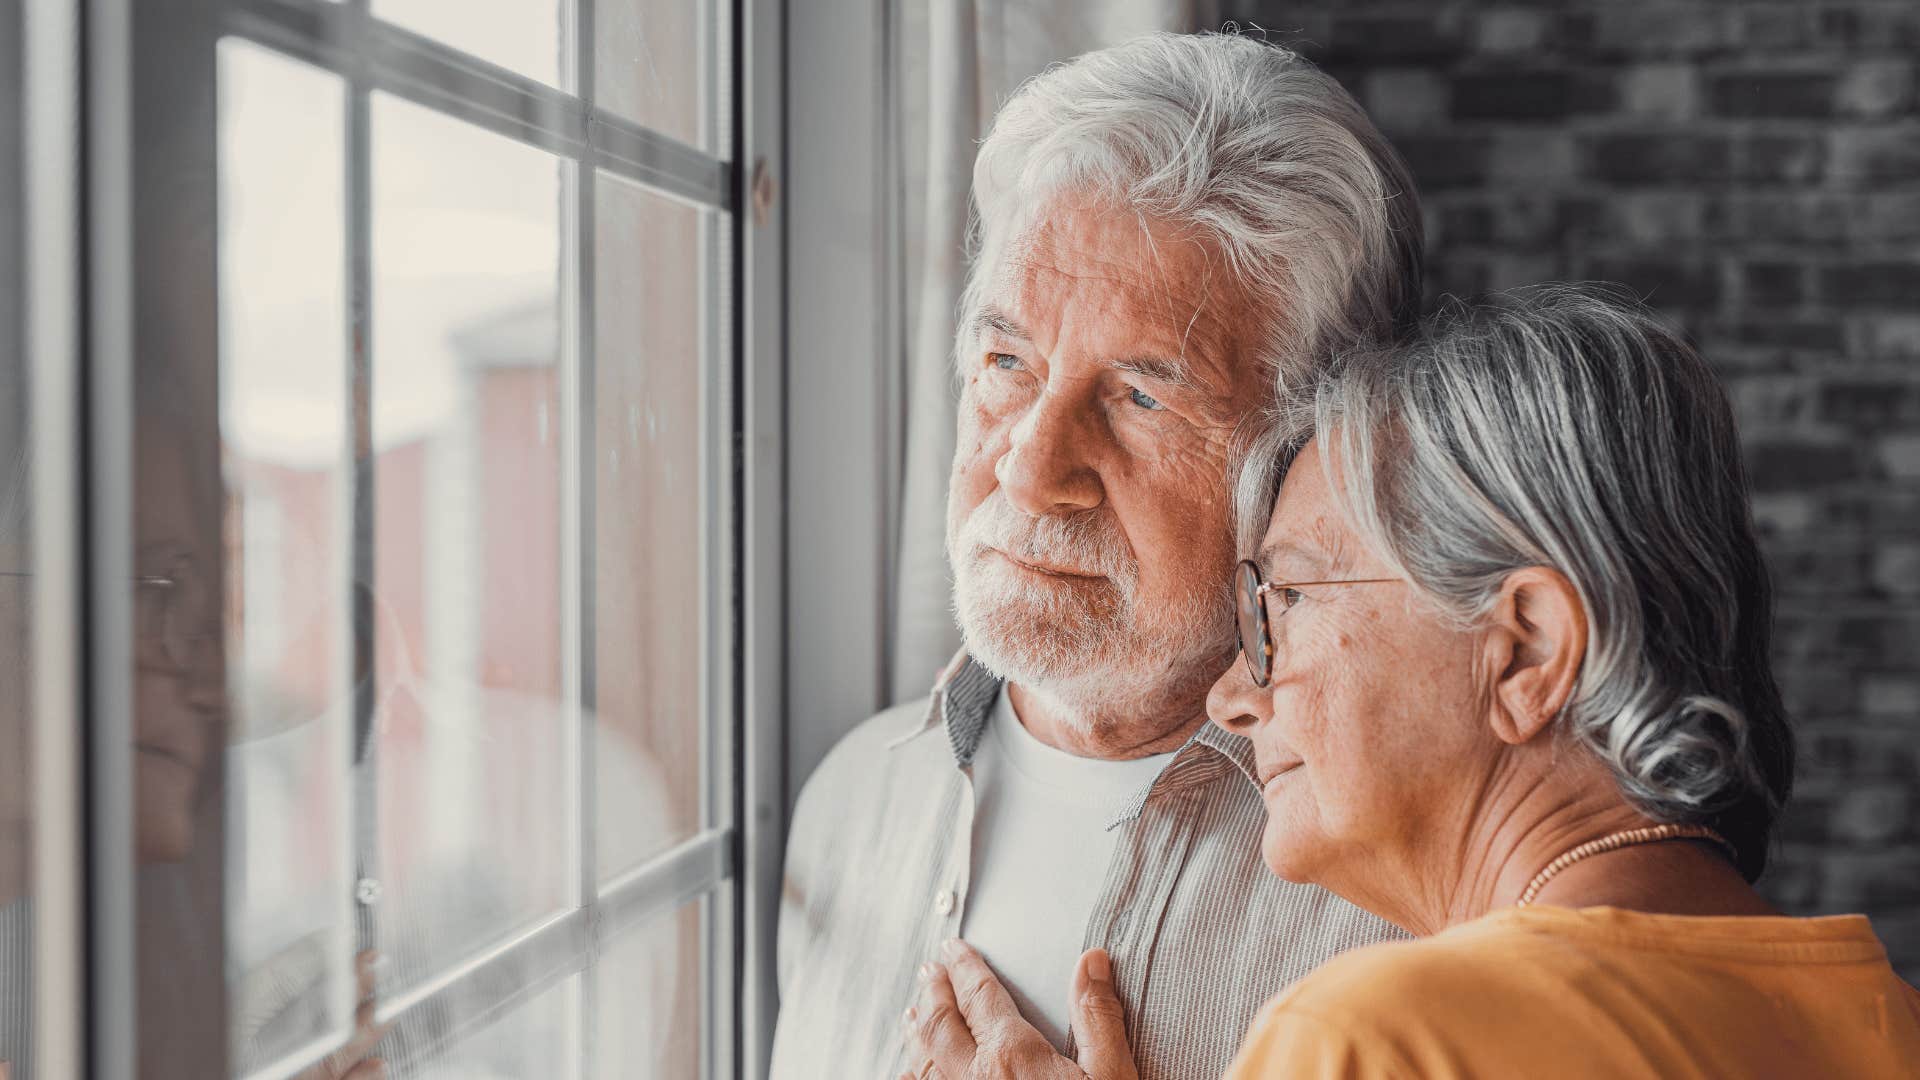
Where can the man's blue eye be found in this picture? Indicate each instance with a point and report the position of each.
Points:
(1145, 401)
(1005, 361)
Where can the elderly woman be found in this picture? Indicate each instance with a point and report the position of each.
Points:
(1507, 686)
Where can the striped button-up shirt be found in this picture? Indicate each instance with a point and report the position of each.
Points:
(878, 862)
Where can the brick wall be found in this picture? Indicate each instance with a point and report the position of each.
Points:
(1753, 169)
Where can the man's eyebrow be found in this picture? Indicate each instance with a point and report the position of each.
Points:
(999, 322)
(1169, 371)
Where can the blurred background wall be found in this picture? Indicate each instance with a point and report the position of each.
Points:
(1753, 170)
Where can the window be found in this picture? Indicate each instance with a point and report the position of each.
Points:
(430, 551)
(473, 645)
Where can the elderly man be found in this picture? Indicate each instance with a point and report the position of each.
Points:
(1169, 231)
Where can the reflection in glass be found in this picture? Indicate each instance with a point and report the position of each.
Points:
(283, 420)
(474, 754)
(536, 1039)
(522, 35)
(653, 64)
(648, 513)
(648, 999)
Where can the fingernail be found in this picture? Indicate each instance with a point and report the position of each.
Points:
(1099, 968)
(927, 971)
(908, 1016)
(950, 948)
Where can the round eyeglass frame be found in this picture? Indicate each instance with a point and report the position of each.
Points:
(1256, 627)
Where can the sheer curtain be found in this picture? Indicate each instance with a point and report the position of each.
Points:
(958, 60)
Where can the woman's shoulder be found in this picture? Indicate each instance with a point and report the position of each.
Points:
(1405, 1008)
(1480, 957)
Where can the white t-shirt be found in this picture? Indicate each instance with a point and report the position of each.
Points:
(1040, 854)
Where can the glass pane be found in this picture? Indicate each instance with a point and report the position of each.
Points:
(649, 989)
(477, 803)
(539, 1038)
(648, 498)
(653, 63)
(284, 439)
(16, 590)
(523, 35)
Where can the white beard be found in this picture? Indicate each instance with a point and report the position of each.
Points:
(1080, 642)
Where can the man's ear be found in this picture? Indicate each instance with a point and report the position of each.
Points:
(1535, 643)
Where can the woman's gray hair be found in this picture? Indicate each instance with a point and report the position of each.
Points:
(1567, 427)
(1253, 147)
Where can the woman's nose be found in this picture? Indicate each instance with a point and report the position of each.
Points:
(1235, 703)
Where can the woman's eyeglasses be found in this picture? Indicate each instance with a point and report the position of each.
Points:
(1256, 630)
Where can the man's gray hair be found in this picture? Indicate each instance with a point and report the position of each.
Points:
(1254, 148)
(1567, 427)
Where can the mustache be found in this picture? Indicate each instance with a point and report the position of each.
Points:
(1089, 542)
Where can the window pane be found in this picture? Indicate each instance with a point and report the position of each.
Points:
(476, 759)
(523, 35)
(649, 993)
(283, 426)
(654, 63)
(649, 508)
(539, 1038)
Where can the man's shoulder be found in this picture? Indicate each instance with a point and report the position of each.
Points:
(876, 749)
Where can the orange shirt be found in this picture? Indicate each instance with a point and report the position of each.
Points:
(1599, 992)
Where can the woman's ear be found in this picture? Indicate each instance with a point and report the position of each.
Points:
(1535, 644)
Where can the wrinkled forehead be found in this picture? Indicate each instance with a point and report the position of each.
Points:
(1153, 284)
(1308, 535)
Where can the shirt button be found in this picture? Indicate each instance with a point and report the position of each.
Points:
(943, 903)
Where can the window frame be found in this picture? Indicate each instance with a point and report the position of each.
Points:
(86, 329)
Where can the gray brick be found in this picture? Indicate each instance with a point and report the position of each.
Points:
(1774, 284)
(1871, 814)
(1895, 695)
(1900, 456)
(1870, 881)
(1888, 283)
(1528, 158)
(1782, 159)
(1868, 155)
(1445, 161)
(1884, 217)
(1530, 95)
(1778, 26)
(1799, 465)
(1857, 404)
(1403, 99)
(1656, 29)
(1896, 572)
(1645, 159)
(1796, 217)
(1885, 336)
(1876, 88)
(1772, 93)
(1662, 91)
(1400, 36)
(1512, 30)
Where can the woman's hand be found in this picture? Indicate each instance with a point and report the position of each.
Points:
(966, 1027)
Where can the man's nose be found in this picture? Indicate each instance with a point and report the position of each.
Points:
(1235, 703)
(1045, 469)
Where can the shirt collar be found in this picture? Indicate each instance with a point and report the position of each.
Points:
(963, 699)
